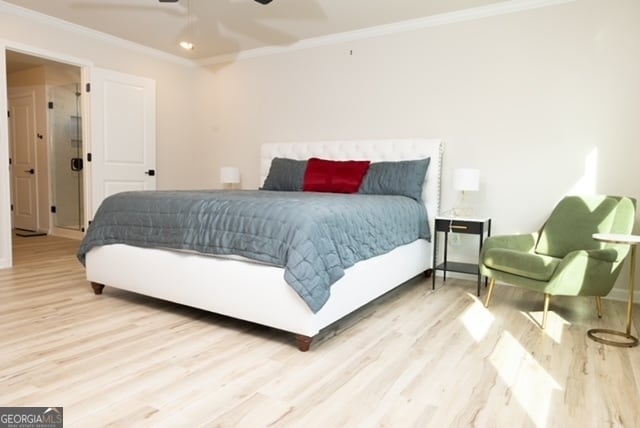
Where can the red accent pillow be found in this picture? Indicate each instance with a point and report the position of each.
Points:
(334, 176)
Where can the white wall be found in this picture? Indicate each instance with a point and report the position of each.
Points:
(544, 102)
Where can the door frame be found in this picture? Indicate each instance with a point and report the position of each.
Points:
(6, 250)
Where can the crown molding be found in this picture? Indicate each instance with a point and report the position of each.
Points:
(14, 10)
(503, 8)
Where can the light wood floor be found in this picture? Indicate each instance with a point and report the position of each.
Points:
(413, 358)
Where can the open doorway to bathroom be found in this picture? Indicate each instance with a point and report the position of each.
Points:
(65, 125)
(45, 146)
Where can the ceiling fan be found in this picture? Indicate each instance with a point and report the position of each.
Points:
(176, 1)
(220, 26)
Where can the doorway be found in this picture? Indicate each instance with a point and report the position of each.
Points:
(51, 150)
(110, 127)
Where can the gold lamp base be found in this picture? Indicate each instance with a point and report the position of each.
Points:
(629, 343)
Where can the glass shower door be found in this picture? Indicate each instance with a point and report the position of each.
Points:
(67, 163)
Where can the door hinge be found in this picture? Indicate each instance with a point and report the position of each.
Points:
(10, 161)
(50, 105)
(8, 113)
(88, 157)
(53, 209)
(11, 207)
(88, 87)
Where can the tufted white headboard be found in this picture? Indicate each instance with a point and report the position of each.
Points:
(373, 150)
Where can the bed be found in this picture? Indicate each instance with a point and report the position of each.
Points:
(257, 292)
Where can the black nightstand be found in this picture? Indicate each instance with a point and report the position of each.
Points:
(480, 227)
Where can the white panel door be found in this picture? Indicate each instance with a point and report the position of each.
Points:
(123, 109)
(22, 140)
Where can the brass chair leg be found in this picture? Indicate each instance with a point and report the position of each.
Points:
(599, 306)
(490, 292)
(547, 297)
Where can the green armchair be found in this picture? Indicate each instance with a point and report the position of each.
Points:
(563, 258)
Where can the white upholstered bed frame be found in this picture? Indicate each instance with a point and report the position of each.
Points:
(257, 292)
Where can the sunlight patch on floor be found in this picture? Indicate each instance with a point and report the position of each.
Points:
(528, 381)
(477, 319)
(555, 324)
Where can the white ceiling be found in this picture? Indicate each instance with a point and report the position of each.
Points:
(222, 27)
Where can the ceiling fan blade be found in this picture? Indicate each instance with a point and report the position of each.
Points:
(176, 1)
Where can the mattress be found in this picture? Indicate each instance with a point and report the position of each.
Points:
(313, 236)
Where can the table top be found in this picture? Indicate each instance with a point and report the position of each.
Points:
(454, 218)
(617, 238)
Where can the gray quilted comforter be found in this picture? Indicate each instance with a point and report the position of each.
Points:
(313, 236)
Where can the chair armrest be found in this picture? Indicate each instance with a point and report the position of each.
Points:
(586, 273)
(604, 254)
(585, 260)
(521, 242)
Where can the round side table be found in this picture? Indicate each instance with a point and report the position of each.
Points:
(596, 333)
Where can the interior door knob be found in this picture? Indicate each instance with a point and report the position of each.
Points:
(151, 172)
(30, 171)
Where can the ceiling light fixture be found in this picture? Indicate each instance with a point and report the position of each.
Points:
(188, 43)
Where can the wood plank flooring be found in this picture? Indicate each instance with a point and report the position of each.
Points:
(414, 358)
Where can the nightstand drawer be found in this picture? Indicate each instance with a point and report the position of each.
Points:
(459, 226)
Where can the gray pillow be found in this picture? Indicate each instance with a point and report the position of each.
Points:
(285, 174)
(396, 178)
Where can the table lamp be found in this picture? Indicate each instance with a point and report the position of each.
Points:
(465, 180)
(229, 175)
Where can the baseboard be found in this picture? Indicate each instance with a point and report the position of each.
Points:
(619, 294)
(623, 295)
(67, 233)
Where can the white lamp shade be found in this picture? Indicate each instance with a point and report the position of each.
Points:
(466, 179)
(229, 175)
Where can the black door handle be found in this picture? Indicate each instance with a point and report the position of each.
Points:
(30, 171)
(76, 164)
(151, 172)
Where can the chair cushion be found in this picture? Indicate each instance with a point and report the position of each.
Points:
(528, 265)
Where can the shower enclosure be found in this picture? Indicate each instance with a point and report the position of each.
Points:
(66, 157)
